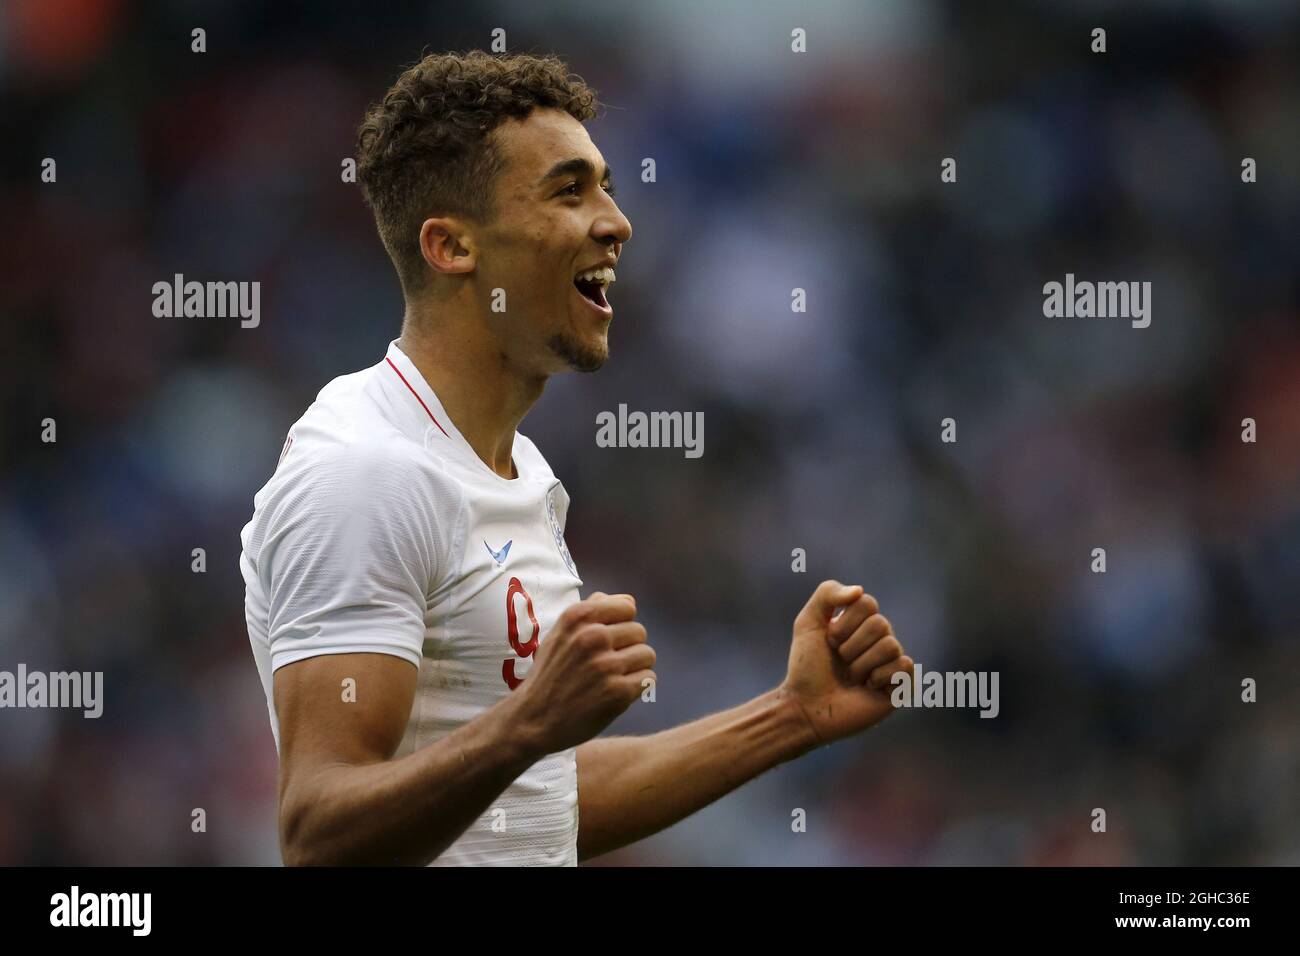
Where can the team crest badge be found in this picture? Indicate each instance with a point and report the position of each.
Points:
(557, 529)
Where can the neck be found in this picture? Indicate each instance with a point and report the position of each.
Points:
(485, 397)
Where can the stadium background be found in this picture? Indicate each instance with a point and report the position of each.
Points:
(775, 170)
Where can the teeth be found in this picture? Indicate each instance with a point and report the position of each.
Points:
(604, 276)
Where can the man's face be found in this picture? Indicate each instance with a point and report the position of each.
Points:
(555, 221)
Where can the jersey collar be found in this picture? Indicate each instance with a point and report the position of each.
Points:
(411, 387)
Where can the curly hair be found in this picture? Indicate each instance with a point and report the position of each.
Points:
(426, 148)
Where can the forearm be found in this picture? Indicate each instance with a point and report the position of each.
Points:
(632, 787)
(405, 811)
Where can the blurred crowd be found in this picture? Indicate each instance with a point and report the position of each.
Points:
(774, 170)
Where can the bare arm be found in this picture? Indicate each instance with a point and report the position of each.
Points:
(843, 656)
(343, 801)
(632, 787)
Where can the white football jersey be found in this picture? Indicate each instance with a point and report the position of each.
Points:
(381, 530)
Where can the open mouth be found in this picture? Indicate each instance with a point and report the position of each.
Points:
(591, 285)
(593, 292)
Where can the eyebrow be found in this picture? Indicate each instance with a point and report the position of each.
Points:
(568, 167)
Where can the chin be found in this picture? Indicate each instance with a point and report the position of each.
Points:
(579, 355)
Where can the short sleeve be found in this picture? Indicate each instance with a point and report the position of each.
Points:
(350, 553)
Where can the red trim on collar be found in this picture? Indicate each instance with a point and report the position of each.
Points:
(417, 395)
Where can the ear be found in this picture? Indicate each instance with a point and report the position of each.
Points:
(446, 247)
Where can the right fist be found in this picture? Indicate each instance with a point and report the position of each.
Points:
(589, 668)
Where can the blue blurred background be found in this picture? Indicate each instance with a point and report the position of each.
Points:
(775, 170)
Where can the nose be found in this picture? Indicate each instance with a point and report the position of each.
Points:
(611, 227)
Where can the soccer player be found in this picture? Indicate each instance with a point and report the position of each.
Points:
(435, 683)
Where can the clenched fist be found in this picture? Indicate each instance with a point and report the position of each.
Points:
(590, 668)
(840, 666)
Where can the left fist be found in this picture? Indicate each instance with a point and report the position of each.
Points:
(842, 657)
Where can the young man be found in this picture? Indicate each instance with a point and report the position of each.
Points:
(434, 682)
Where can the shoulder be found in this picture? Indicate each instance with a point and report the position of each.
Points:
(347, 464)
(368, 471)
(346, 409)
(349, 434)
(351, 481)
(364, 504)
